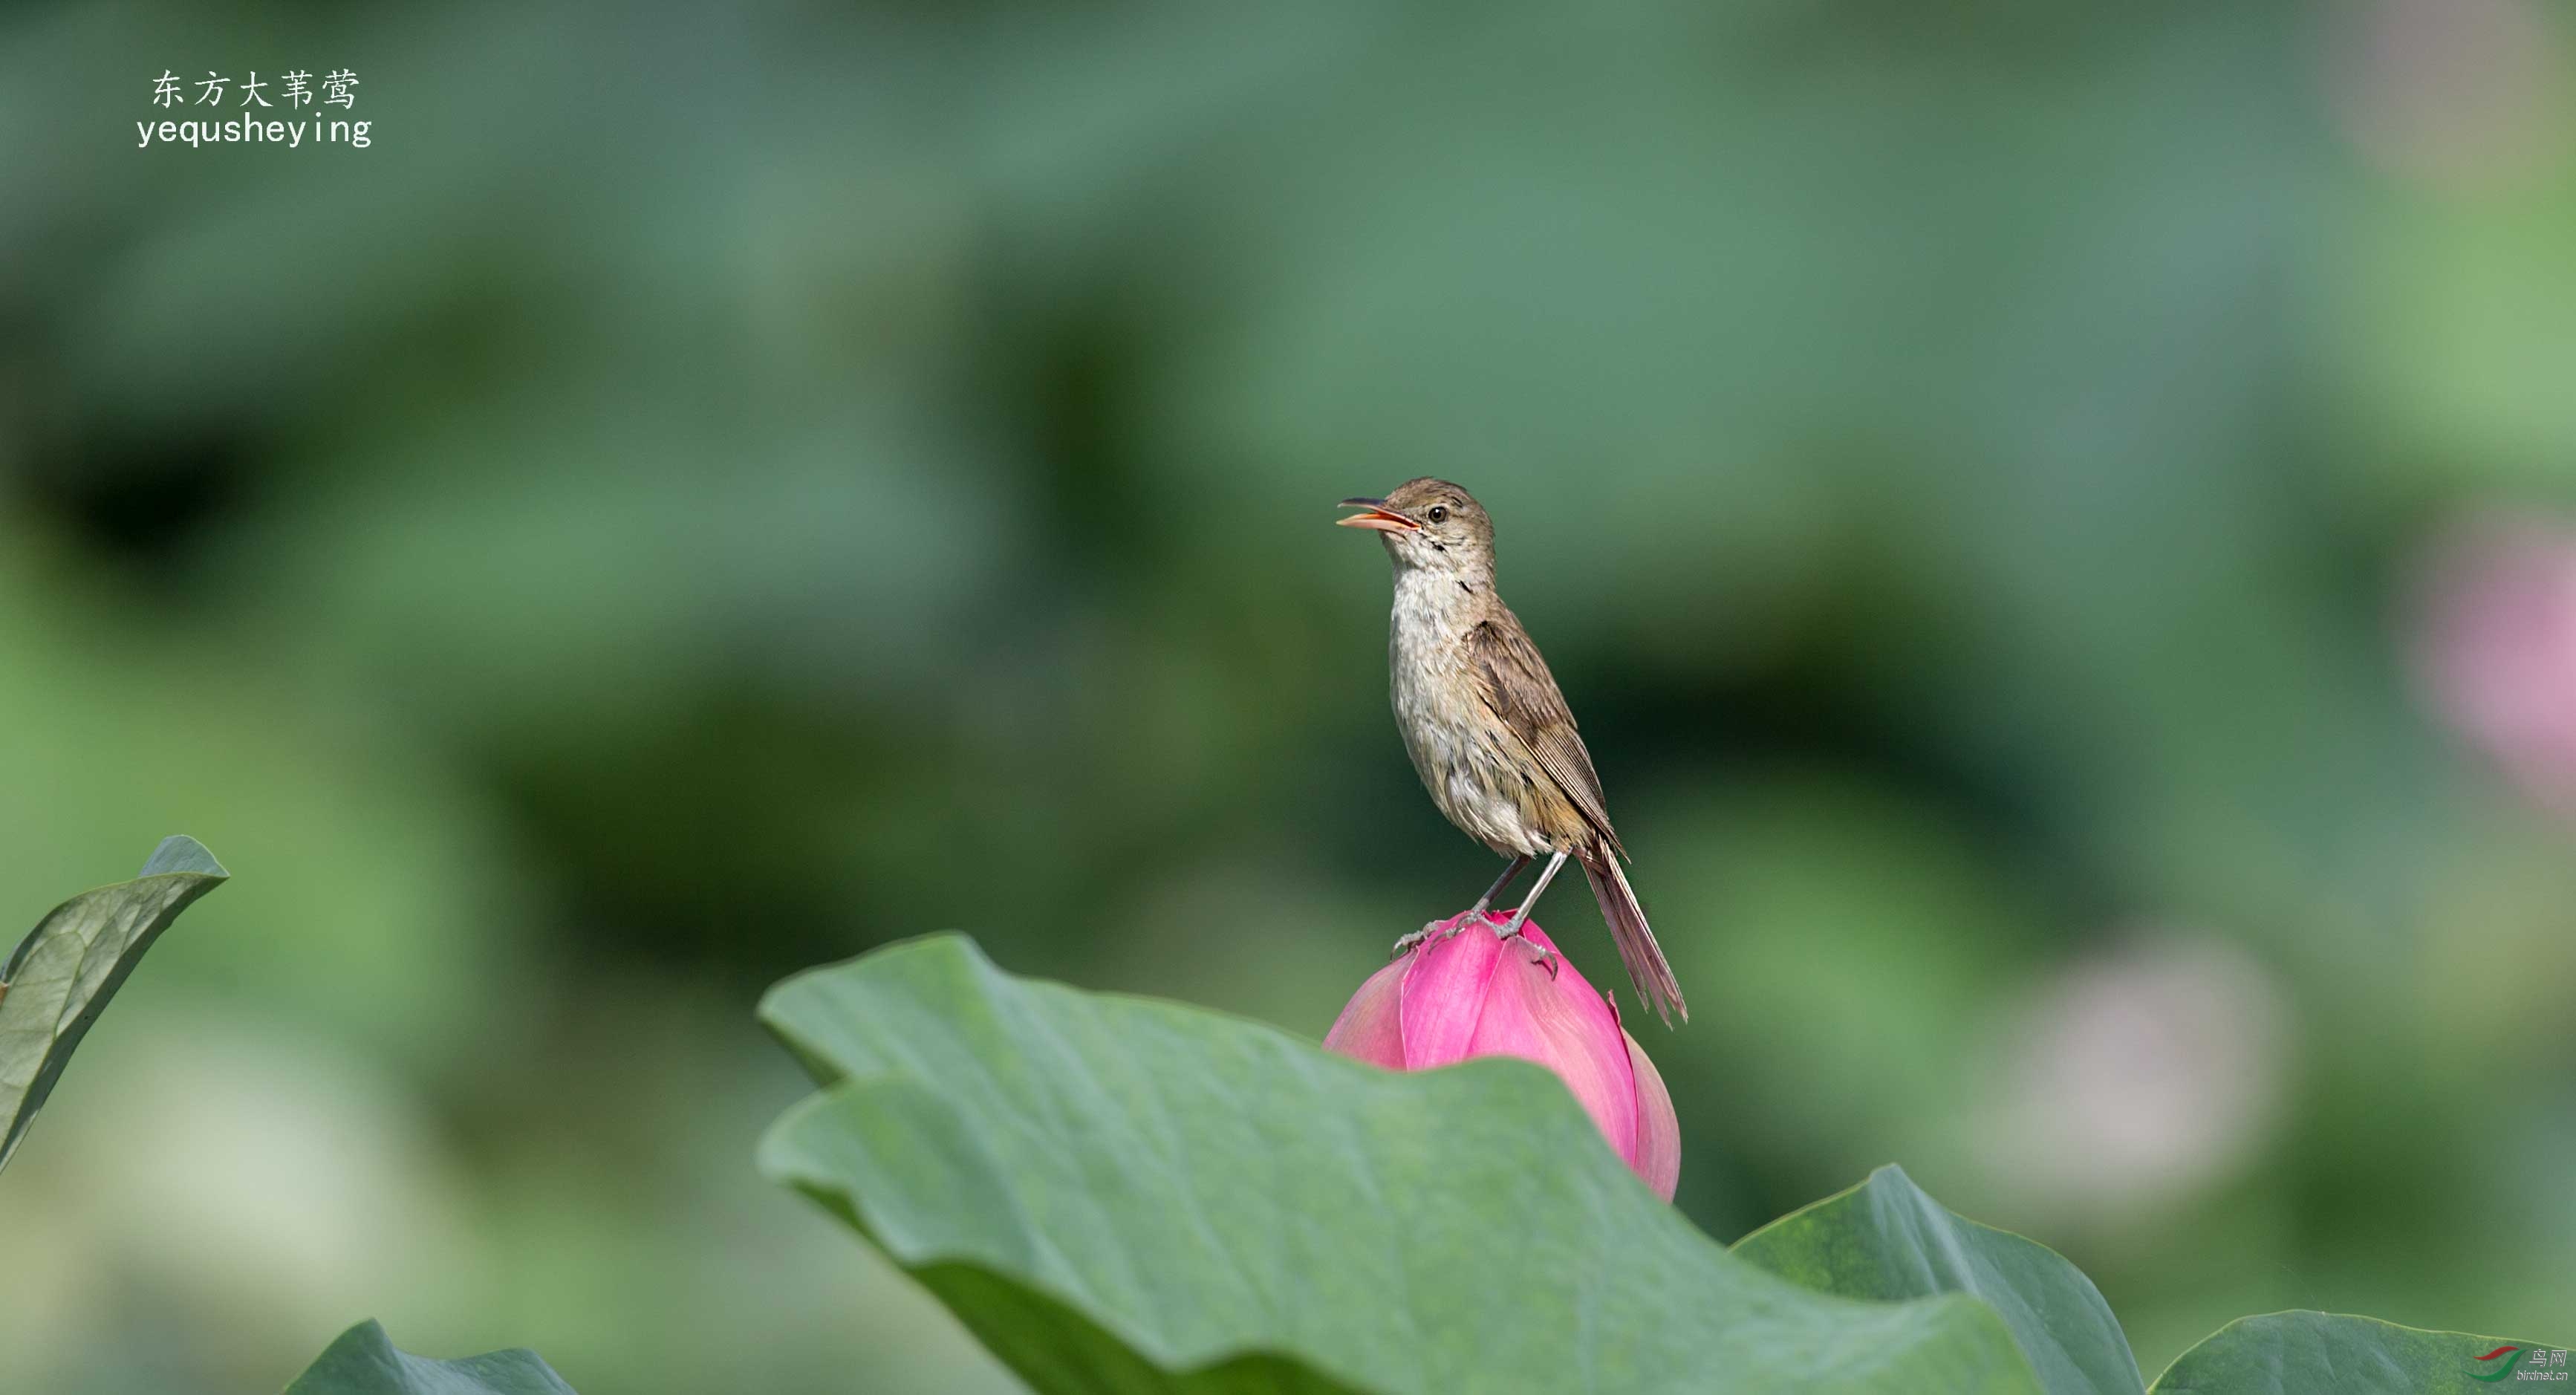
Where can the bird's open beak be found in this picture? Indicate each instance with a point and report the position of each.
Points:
(1379, 516)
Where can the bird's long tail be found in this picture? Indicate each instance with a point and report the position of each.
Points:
(1637, 947)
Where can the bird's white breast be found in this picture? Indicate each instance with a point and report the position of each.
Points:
(1459, 748)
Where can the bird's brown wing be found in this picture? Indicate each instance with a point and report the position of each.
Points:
(1516, 685)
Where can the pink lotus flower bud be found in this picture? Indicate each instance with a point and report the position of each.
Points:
(1470, 994)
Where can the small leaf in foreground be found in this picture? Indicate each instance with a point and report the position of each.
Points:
(1886, 1239)
(2305, 1353)
(60, 977)
(364, 1362)
(1120, 1194)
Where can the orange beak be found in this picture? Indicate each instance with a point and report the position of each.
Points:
(1379, 516)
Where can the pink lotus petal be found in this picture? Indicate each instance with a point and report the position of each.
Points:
(1371, 1027)
(1444, 994)
(1560, 1023)
(1659, 1130)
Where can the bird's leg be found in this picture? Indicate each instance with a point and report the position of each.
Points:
(1511, 869)
(1521, 916)
(1549, 957)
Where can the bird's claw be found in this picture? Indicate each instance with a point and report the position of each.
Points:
(1407, 944)
(1548, 959)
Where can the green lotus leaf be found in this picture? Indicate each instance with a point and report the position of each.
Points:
(60, 977)
(1117, 1194)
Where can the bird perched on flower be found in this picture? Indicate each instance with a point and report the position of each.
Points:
(1488, 731)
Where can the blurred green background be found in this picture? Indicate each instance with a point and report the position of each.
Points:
(2056, 521)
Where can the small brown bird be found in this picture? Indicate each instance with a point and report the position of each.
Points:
(1488, 731)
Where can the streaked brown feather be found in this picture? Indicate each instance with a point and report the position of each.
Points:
(1516, 686)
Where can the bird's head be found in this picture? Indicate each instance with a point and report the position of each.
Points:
(1429, 524)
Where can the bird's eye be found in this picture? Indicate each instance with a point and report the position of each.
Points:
(1439, 513)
